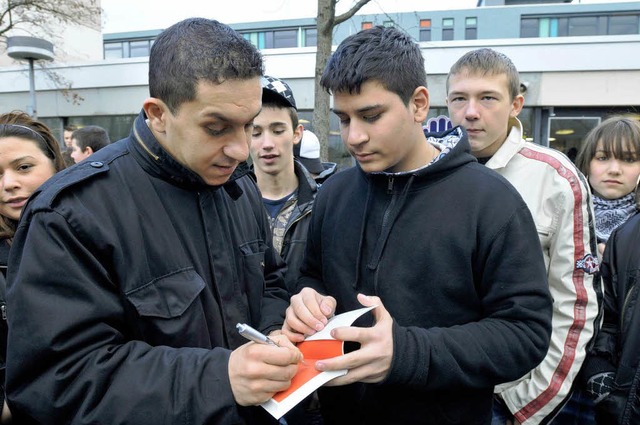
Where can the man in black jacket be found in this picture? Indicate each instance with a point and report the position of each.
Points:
(445, 248)
(129, 272)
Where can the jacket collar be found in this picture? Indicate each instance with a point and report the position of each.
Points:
(155, 160)
(510, 147)
(307, 186)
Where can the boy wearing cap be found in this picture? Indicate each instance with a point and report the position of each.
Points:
(483, 97)
(288, 190)
(307, 152)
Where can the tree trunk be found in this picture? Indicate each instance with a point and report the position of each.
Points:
(321, 106)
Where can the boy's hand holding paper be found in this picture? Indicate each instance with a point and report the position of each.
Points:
(325, 360)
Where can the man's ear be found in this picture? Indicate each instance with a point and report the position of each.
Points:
(420, 102)
(156, 111)
(88, 150)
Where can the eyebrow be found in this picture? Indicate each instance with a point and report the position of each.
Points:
(22, 158)
(360, 110)
(221, 117)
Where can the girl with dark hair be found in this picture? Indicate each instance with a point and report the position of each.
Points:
(29, 155)
(610, 158)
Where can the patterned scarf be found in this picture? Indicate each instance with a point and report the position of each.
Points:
(611, 213)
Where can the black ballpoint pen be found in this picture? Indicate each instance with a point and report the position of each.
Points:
(253, 335)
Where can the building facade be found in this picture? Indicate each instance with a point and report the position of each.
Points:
(579, 63)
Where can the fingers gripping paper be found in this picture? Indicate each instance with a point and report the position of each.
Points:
(318, 346)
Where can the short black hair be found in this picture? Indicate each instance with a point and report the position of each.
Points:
(194, 50)
(383, 54)
(91, 136)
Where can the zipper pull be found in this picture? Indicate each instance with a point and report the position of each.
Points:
(390, 185)
(3, 308)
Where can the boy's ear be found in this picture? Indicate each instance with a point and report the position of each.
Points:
(88, 150)
(297, 134)
(420, 103)
(516, 106)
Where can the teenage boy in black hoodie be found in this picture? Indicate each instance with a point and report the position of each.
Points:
(446, 249)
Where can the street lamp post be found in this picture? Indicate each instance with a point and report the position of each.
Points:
(30, 49)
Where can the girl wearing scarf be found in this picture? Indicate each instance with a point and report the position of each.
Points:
(610, 158)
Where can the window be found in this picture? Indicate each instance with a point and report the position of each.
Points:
(425, 29)
(113, 50)
(388, 24)
(139, 48)
(579, 25)
(276, 39)
(285, 38)
(447, 29)
(367, 25)
(623, 24)
(310, 37)
(529, 27)
(471, 29)
(583, 25)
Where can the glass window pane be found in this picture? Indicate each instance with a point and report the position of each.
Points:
(529, 28)
(568, 132)
(425, 23)
(425, 35)
(447, 34)
(112, 50)
(285, 38)
(367, 25)
(471, 33)
(623, 24)
(447, 22)
(310, 37)
(563, 27)
(139, 48)
(543, 30)
(471, 22)
(583, 25)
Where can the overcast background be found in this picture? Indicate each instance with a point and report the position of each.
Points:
(140, 15)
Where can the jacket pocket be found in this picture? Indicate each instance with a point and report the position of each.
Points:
(253, 279)
(169, 311)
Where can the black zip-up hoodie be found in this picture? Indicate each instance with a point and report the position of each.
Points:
(453, 252)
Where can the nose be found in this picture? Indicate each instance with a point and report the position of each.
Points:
(471, 112)
(238, 146)
(614, 167)
(354, 134)
(267, 141)
(9, 182)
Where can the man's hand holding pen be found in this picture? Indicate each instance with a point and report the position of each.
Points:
(258, 369)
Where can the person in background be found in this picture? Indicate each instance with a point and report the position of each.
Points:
(612, 370)
(142, 261)
(287, 187)
(307, 152)
(610, 158)
(288, 192)
(67, 148)
(444, 248)
(483, 97)
(66, 133)
(29, 155)
(87, 140)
